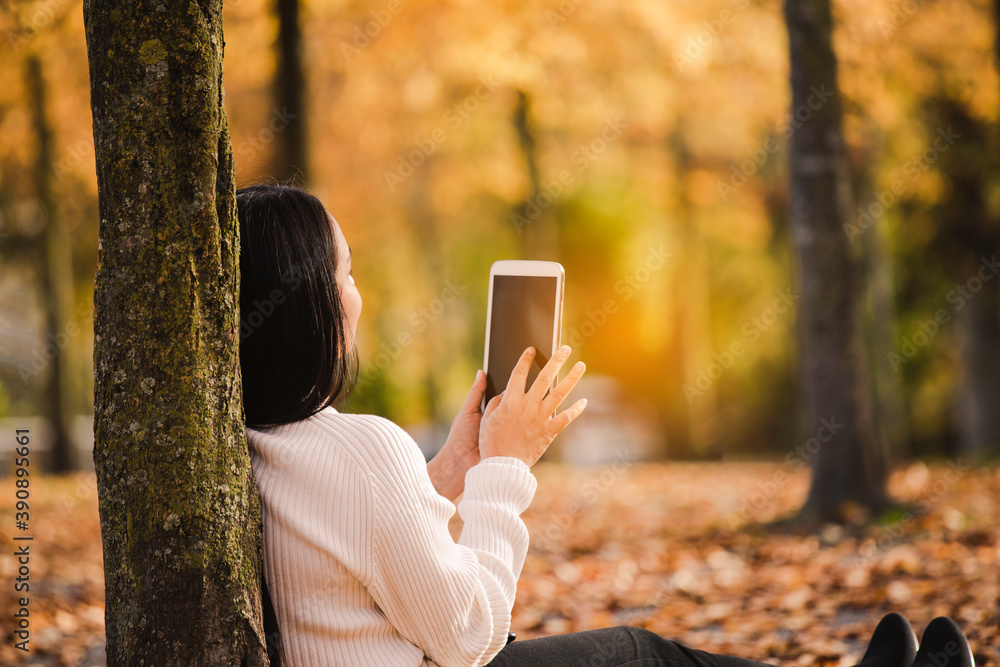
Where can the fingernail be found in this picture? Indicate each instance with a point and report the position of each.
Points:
(565, 349)
(583, 404)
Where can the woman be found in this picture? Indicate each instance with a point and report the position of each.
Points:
(358, 559)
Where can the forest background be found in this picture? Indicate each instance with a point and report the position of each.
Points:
(644, 146)
(640, 144)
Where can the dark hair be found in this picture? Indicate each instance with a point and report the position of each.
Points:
(293, 348)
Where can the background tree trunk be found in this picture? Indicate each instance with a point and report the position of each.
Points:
(538, 235)
(689, 418)
(180, 512)
(888, 391)
(980, 323)
(422, 219)
(57, 260)
(968, 239)
(978, 397)
(289, 93)
(848, 461)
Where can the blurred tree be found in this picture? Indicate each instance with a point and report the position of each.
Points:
(663, 70)
(886, 385)
(536, 227)
(848, 461)
(421, 216)
(683, 415)
(880, 316)
(973, 173)
(291, 160)
(180, 512)
(58, 280)
(969, 237)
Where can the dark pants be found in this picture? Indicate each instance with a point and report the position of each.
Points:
(610, 647)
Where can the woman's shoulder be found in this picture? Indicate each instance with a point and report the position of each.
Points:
(329, 419)
(371, 440)
(359, 426)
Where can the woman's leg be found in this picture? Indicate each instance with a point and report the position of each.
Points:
(610, 647)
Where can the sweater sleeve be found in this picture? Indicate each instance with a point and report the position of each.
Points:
(452, 600)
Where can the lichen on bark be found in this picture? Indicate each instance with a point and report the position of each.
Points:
(180, 513)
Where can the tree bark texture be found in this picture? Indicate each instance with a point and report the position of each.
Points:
(840, 437)
(180, 512)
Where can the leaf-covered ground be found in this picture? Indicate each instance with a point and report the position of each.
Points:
(681, 549)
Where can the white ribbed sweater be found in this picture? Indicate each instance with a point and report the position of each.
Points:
(359, 562)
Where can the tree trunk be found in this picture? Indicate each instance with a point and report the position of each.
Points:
(677, 411)
(880, 316)
(840, 436)
(422, 219)
(58, 268)
(979, 321)
(532, 218)
(979, 392)
(691, 281)
(289, 93)
(180, 512)
(969, 239)
(996, 20)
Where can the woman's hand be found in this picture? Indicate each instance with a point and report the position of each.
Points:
(461, 450)
(520, 424)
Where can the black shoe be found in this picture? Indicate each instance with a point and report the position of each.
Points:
(893, 644)
(944, 645)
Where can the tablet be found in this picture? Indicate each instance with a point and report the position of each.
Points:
(523, 309)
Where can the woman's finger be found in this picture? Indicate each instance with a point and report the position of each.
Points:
(565, 386)
(519, 376)
(564, 418)
(475, 397)
(549, 372)
(492, 405)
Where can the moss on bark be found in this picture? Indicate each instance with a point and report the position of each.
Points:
(180, 513)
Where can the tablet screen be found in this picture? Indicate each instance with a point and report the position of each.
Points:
(523, 314)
